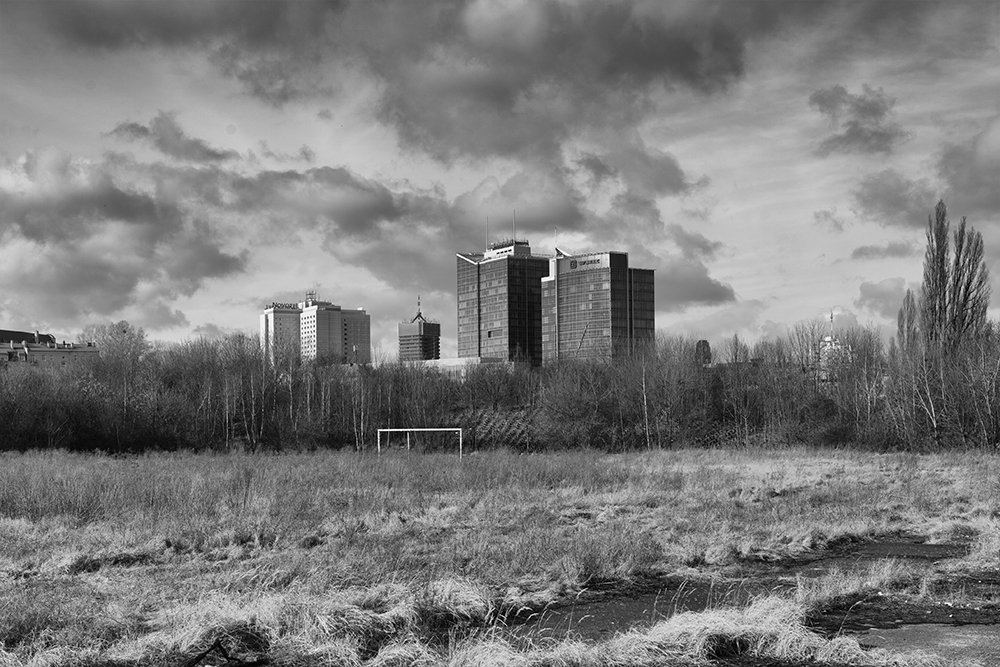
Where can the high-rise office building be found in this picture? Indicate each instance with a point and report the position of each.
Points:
(279, 330)
(333, 334)
(499, 302)
(316, 330)
(595, 307)
(419, 339)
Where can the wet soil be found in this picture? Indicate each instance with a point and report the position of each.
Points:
(951, 642)
(979, 604)
(601, 612)
(954, 601)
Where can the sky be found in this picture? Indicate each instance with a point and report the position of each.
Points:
(181, 164)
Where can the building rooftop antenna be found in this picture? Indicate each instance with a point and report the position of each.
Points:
(419, 316)
(514, 226)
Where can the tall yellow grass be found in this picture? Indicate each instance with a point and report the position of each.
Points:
(347, 557)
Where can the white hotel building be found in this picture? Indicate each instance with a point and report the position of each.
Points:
(317, 329)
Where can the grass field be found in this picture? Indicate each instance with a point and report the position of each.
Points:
(340, 558)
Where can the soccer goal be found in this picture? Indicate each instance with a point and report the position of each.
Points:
(408, 431)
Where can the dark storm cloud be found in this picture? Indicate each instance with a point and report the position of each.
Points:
(864, 121)
(598, 169)
(692, 244)
(430, 227)
(543, 201)
(894, 249)
(212, 331)
(336, 199)
(277, 75)
(166, 135)
(474, 78)
(194, 257)
(648, 171)
(971, 171)
(98, 24)
(889, 198)
(82, 200)
(102, 243)
(683, 281)
(483, 79)
(272, 47)
(882, 298)
(829, 219)
(157, 314)
(516, 80)
(634, 224)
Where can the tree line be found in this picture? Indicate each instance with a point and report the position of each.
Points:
(936, 384)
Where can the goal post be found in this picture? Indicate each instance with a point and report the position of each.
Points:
(387, 431)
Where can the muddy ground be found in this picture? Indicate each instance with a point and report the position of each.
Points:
(931, 595)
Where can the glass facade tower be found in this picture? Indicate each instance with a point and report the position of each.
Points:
(595, 307)
(419, 339)
(500, 302)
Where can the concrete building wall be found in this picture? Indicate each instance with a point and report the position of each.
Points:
(48, 355)
(280, 330)
(317, 329)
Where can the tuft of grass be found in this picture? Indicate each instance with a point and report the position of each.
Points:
(485, 653)
(770, 628)
(984, 552)
(348, 553)
(447, 604)
(881, 577)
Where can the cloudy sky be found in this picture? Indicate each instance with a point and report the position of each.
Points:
(182, 163)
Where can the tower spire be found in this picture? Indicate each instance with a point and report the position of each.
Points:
(419, 315)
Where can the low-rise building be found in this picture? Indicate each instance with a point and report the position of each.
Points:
(42, 350)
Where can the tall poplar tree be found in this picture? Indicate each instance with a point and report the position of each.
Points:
(955, 292)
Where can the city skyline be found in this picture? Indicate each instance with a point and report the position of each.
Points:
(177, 164)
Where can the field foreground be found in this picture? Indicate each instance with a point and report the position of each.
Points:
(346, 559)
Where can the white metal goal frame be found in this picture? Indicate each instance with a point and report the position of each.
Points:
(378, 438)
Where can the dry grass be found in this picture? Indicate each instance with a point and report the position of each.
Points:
(881, 577)
(346, 558)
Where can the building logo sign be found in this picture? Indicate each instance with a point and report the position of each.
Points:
(575, 264)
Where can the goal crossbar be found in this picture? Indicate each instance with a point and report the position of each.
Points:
(378, 439)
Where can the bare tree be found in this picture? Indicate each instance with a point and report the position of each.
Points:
(906, 323)
(969, 289)
(955, 291)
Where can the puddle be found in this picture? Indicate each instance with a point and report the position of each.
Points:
(951, 642)
(595, 620)
(919, 555)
